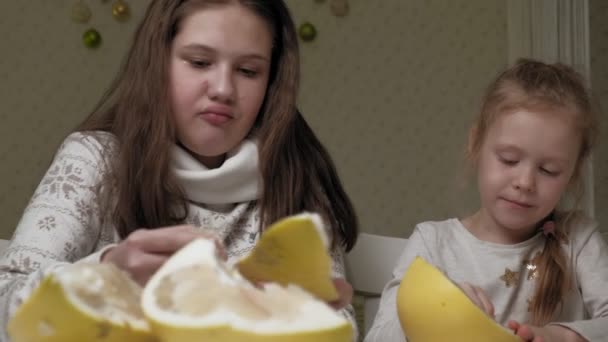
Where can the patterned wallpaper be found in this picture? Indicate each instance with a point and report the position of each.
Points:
(598, 10)
(391, 89)
(49, 82)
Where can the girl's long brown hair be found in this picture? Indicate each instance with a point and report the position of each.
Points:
(298, 173)
(531, 84)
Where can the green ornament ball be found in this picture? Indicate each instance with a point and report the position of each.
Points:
(307, 32)
(91, 38)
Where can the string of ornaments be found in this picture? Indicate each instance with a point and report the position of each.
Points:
(91, 38)
(81, 13)
(308, 32)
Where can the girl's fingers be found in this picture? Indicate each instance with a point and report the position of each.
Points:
(470, 292)
(220, 248)
(485, 301)
(478, 297)
(170, 239)
(345, 292)
(160, 240)
(145, 266)
(139, 265)
(143, 252)
(525, 333)
(513, 325)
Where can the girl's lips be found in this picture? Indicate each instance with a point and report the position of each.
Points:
(517, 204)
(215, 118)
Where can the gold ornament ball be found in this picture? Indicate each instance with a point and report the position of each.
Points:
(120, 10)
(307, 32)
(91, 38)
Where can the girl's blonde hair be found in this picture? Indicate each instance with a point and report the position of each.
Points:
(530, 85)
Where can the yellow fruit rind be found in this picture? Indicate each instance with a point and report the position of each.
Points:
(292, 252)
(49, 316)
(225, 333)
(432, 309)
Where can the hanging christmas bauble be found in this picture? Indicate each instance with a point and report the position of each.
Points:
(120, 10)
(91, 38)
(307, 32)
(81, 13)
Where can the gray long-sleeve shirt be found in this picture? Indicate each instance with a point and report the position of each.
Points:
(452, 248)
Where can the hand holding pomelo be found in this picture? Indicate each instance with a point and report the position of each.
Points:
(144, 251)
(432, 309)
(196, 296)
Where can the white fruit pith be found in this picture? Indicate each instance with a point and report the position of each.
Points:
(195, 296)
(104, 291)
(194, 290)
(82, 302)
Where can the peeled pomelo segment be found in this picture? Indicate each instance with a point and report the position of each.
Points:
(432, 309)
(195, 297)
(82, 302)
(294, 250)
(181, 293)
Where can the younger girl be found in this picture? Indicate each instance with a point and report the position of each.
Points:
(199, 135)
(539, 270)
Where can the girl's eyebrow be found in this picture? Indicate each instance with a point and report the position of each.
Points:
(506, 147)
(196, 47)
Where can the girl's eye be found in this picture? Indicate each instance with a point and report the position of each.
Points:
(200, 64)
(248, 72)
(507, 161)
(549, 172)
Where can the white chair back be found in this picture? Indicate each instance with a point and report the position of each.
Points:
(3, 245)
(369, 266)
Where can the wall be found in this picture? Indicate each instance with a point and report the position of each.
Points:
(598, 32)
(49, 82)
(390, 89)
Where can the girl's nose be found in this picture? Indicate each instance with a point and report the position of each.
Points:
(221, 87)
(525, 180)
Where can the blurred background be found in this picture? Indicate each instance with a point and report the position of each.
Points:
(390, 87)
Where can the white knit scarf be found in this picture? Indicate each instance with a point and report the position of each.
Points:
(236, 180)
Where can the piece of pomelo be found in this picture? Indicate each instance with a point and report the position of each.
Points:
(82, 302)
(196, 297)
(293, 251)
(433, 309)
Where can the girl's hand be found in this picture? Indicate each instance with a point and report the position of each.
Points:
(548, 333)
(478, 297)
(144, 251)
(345, 292)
